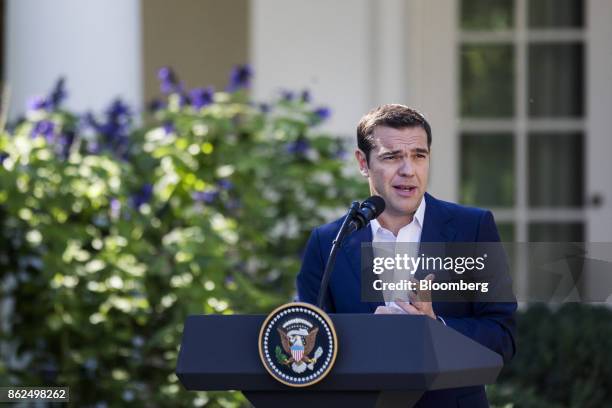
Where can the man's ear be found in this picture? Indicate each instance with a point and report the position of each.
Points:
(363, 163)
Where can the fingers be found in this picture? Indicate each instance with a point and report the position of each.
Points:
(420, 296)
(388, 310)
(408, 308)
(415, 300)
(419, 302)
(425, 295)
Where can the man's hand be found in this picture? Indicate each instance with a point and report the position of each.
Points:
(420, 304)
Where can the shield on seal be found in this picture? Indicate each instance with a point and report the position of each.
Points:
(297, 352)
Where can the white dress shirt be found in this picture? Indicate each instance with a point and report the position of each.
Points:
(408, 233)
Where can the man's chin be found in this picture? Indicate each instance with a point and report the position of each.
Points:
(404, 206)
(401, 210)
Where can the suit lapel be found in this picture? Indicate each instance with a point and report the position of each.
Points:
(437, 224)
(439, 227)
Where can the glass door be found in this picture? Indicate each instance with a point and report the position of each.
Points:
(522, 128)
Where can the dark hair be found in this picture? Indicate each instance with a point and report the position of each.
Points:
(392, 115)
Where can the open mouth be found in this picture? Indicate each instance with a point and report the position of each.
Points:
(405, 190)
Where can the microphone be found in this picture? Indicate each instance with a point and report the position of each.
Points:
(368, 210)
(357, 217)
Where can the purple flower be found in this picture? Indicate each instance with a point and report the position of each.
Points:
(89, 120)
(225, 184)
(183, 97)
(169, 127)
(143, 196)
(93, 147)
(305, 96)
(115, 207)
(3, 157)
(201, 97)
(229, 280)
(156, 105)
(322, 113)
(298, 147)
(208, 196)
(58, 94)
(166, 74)
(168, 80)
(114, 132)
(44, 128)
(118, 109)
(66, 140)
(240, 77)
(37, 103)
(53, 101)
(287, 95)
(264, 107)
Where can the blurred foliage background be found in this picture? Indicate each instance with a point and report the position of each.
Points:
(114, 228)
(113, 232)
(563, 359)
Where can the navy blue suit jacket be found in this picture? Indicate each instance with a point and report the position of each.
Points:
(491, 324)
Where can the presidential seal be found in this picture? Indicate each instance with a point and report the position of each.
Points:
(298, 344)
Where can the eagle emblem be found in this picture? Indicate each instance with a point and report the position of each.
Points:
(298, 343)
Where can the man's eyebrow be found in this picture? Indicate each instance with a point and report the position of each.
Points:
(394, 152)
(391, 153)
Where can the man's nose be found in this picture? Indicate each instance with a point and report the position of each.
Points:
(406, 168)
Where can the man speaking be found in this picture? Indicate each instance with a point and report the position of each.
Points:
(394, 149)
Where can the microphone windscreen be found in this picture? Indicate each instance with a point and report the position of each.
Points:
(376, 203)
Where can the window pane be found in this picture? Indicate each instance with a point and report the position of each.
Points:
(487, 14)
(556, 232)
(556, 80)
(556, 13)
(487, 81)
(556, 170)
(542, 257)
(487, 170)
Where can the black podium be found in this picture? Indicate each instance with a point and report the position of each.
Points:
(383, 360)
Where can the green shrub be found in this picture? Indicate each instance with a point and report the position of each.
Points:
(112, 234)
(564, 359)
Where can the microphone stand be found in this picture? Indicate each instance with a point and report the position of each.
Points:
(344, 228)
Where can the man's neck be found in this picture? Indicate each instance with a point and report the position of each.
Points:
(395, 223)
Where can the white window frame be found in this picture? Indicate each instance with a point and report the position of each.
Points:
(432, 69)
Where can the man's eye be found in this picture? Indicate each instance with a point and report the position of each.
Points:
(389, 158)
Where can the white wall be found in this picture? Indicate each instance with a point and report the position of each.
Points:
(357, 54)
(317, 44)
(95, 44)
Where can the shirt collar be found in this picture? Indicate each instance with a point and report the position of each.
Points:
(419, 216)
